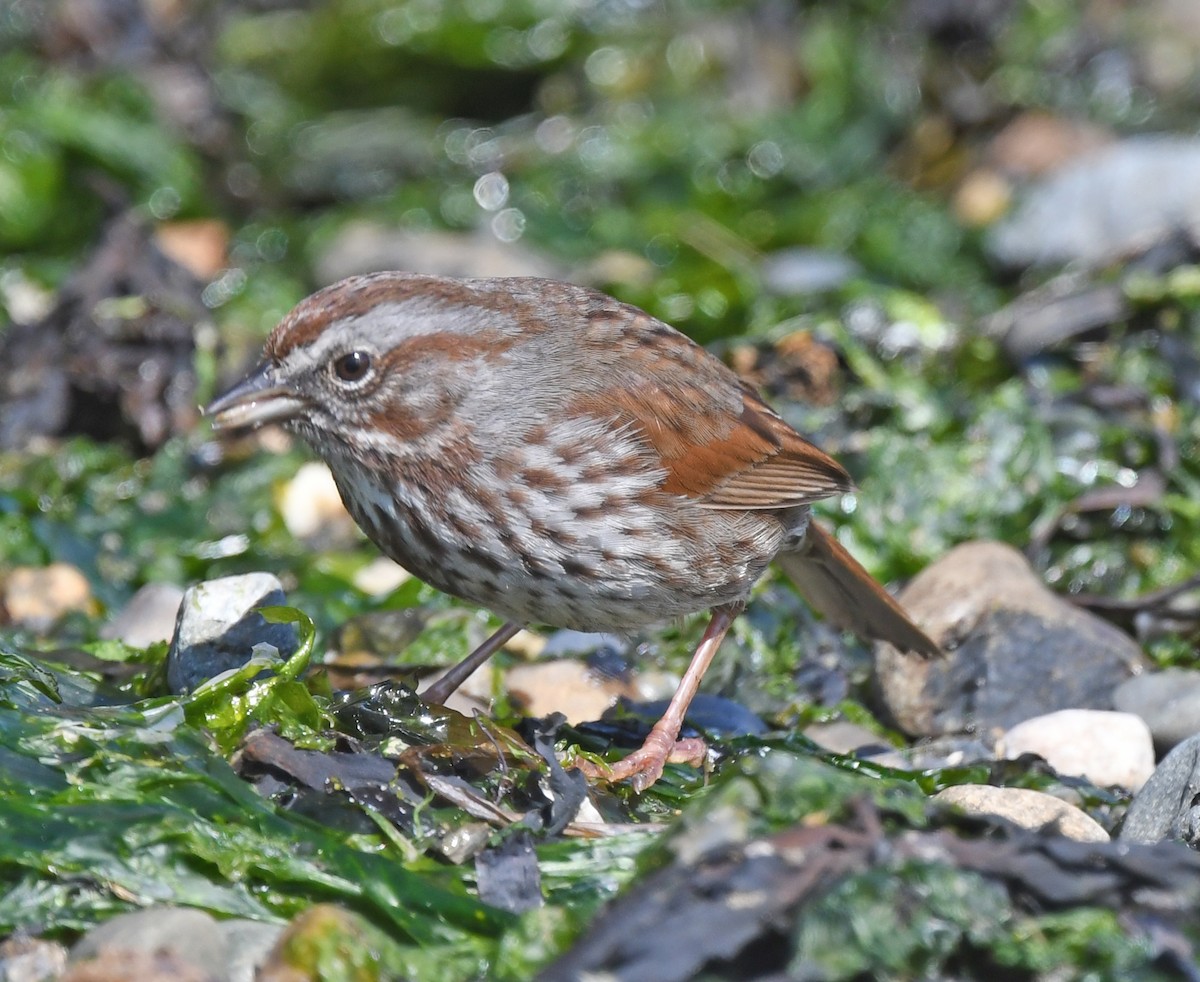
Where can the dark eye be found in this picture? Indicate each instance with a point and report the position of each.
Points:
(352, 367)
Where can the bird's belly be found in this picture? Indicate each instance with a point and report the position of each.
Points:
(620, 568)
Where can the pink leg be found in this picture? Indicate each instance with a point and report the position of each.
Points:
(645, 765)
(443, 688)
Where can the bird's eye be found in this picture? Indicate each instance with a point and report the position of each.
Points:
(352, 367)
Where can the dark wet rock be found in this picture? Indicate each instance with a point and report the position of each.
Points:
(1033, 810)
(1167, 612)
(113, 359)
(711, 714)
(1131, 614)
(1180, 353)
(266, 752)
(799, 271)
(364, 247)
(191, 938)
(1168, 805)
(218, 626)
(822, 680)
(148, 617)
(335, 788)
(1107, 748)
(1121, 199)
(628, 723)
(1058, 311)
(700, 915)
(568, 790)
(1013, 649)
(508, 876)
(1169, 702)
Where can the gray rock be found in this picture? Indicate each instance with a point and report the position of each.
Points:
(844, 737)
(1168, 806)
(1028, 809)
(1105, 747)
(366, 247)
(508, 876)
(190, 936)
(218, 626)
(1169, 702)
(937, 753)
(1013, 649)
(148, 618)
(571, 644)
(1119, 199)
(248, 943)
(794, 272)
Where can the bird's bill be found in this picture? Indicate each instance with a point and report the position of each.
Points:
(256, 400)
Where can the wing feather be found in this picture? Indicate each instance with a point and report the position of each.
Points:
(717, 441)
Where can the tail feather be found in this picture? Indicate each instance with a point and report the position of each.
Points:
(839, 589)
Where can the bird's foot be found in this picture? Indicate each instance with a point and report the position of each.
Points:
(645, 765)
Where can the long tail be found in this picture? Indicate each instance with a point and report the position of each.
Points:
(834, 583)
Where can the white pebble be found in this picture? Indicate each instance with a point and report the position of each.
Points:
(1107, 748)
(311, 506)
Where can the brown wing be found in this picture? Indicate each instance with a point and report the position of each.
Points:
(717, 440)
(784, 469)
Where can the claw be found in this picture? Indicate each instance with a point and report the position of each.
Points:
(645, 765)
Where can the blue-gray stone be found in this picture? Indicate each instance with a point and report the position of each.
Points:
(218, 626)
